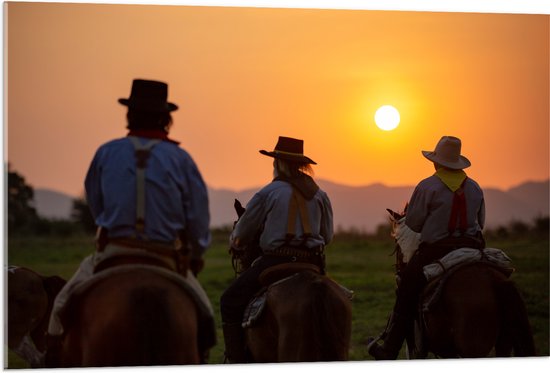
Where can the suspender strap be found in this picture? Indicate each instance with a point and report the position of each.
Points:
(142, 152)
(458, 211)
(297, 205)
(304, 215)
(292, 210)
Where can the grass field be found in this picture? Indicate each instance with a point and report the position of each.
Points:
(360, 263)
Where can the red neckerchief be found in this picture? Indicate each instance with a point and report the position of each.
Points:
(152, 134)
(459, 211)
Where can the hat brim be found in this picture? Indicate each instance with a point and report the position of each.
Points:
(462, 162)
(168, 107)
(288, 157)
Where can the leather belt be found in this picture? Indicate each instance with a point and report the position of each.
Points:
(296, 252)
(161, 248)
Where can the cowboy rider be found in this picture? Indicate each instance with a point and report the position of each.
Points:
(448, 210)
(269, 212)
(145, 193)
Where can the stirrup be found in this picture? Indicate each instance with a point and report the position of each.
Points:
(371, 341)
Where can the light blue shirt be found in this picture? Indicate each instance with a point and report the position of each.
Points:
(270, 206)
(175, 194)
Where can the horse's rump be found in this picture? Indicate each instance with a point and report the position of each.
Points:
(307, 318)
(131, 318)
(468, 318)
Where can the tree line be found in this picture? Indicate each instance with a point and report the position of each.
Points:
(23, 219)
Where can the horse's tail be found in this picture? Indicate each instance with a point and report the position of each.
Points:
(515, 329)
(151, 317)
(330, 317)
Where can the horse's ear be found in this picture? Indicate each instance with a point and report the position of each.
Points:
(394, 215)
(239, 208)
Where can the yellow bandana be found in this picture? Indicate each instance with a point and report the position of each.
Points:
(452, 178)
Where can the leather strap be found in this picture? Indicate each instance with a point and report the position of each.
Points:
(297, 205)
(142, 153)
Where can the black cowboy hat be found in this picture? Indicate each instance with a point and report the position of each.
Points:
(289, 149)
(148, 95)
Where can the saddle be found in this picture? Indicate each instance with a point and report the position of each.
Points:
(439, 272)
(269, 278)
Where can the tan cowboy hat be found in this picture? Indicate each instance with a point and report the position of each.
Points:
(447, 154)
(148, 95)
(289, 149)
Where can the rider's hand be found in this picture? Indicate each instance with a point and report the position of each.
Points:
(235, 245)
(196, 265)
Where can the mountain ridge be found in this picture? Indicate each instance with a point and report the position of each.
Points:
(358, 207)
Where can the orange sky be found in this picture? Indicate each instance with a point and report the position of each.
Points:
(243, 76)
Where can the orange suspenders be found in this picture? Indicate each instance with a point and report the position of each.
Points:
(297, 205)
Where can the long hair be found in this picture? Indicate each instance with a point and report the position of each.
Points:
(139, 119)
(291, 169)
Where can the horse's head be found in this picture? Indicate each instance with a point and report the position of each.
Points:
(242, 258)
(407, 240)
(395, 218)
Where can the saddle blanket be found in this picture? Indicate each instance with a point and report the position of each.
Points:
(189, 283)
(464, 255)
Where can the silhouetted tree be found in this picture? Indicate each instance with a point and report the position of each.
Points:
(383, 231)
(541, 225)
(21, 212)
(81, 214)
(519, 228)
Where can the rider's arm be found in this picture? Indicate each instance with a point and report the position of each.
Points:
(481, 214)
(417, 210)
(249, 223)
(92, 185)
(327, 226)
(197, 215)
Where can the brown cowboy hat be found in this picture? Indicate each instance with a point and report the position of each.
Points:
(289, 149)
(148, 95)
(447, 154)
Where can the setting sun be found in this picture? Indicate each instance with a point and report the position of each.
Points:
(387, 118)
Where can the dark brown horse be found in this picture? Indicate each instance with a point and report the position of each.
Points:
(30, 300)
(307, 316)
(479, 312)
(131, 318)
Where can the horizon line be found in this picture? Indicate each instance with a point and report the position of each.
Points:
(359, 186)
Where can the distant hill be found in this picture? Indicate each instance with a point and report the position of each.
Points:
(52, 205)
(363, 208)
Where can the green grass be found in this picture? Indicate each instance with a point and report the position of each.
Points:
(361, 264)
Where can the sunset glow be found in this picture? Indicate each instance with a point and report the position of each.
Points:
(244, 76)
